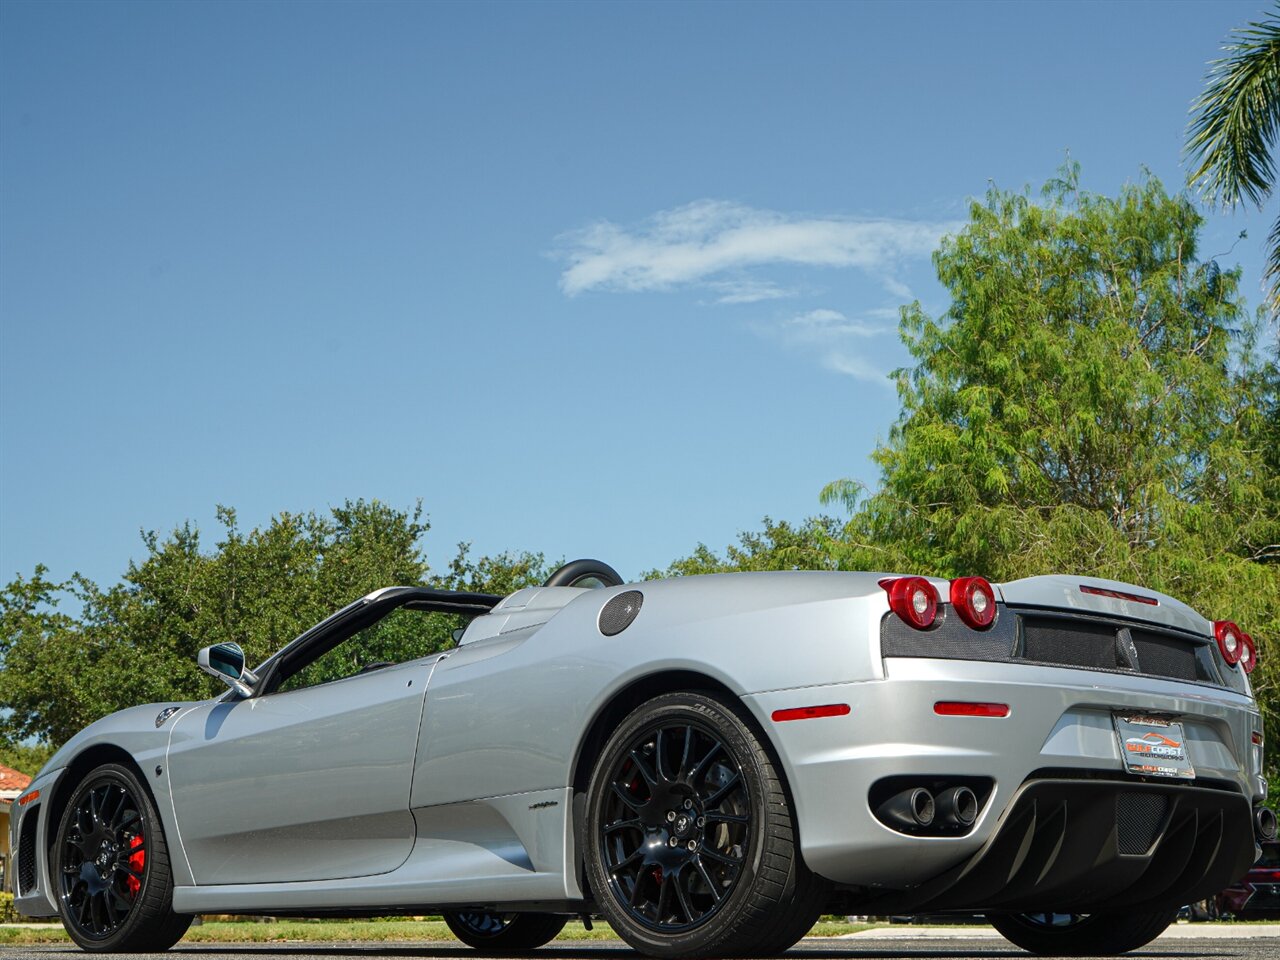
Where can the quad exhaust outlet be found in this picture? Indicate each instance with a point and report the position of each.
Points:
(909, 809)
(957, 807)
(929, 806)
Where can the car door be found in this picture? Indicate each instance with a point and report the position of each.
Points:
(302, 784)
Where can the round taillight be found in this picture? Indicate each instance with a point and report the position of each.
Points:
(975, 601)
(914, 599)
(1249, 659)
(1230, 640)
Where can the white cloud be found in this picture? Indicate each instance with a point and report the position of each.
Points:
(699, 243)
(857, 367)
(826, 325)
(897, 288)
(748, 291)
(838, 342)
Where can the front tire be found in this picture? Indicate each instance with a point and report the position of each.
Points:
(691, 845)
(111, 873)
(504, 933)
(1075, 935)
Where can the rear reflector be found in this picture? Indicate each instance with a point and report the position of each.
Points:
(810, 713)
(33, 795)
(1256, 738)
(1118, 595)
(961, 708)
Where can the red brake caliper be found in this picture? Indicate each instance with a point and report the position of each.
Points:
(137, 861)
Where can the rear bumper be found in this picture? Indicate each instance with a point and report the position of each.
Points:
(1060, 720)
(1081, 845)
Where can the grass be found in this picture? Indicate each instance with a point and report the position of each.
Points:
(330, 931)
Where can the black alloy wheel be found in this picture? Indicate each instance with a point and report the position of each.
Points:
(1083, 934)
(504, 933)
(692, 846)
(114, 889)
(676, 826)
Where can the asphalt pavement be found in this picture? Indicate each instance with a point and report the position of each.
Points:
(1180, 943)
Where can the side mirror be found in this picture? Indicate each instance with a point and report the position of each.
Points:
(226, 662)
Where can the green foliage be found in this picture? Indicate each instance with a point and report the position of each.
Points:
(24, 757)
(780, 546)
(136, 642)
(1090, 377)
(1234, 126)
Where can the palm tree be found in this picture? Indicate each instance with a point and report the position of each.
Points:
(1234, 127)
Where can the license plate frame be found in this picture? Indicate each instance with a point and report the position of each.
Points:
(1153, 746)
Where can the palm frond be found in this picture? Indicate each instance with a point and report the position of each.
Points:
(1272, 272)
(1236, 119)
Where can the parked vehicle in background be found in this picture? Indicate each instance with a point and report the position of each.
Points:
(1256, 896)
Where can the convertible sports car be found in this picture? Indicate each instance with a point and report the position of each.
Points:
(708, 763)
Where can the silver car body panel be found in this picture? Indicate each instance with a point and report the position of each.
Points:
(366, 794)
(254, 782)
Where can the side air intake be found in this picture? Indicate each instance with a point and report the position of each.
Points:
(620, 612)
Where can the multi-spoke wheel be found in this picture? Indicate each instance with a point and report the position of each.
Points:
(1082, 934)
(691, 845)
(504, 933)
(111, 867)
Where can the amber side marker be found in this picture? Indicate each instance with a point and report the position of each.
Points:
(33, 795)
(963, 708)
(810, 713)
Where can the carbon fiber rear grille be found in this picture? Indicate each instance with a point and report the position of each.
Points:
(1069, 643)
(1097, 644)
(1082, 641)
(1168, 657)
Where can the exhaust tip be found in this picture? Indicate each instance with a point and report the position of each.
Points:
(1264, 823)
(922, 807)
(907, 810)
(958, 806)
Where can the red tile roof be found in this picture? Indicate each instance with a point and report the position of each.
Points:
(11, 779)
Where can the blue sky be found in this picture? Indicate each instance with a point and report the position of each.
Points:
(591, 279)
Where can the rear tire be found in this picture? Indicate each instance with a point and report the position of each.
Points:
(504, 933)
(110, 865)
(691, 845)
(1075, 935)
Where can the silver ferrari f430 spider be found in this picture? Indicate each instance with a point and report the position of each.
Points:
(708, 763)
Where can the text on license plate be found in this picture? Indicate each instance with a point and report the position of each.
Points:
(1153, 746)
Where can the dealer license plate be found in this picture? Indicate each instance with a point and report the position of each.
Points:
(1153, 747)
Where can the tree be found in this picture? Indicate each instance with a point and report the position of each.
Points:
(1234, 126)
(1093, 400)
(136, 642)
(780, 546)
